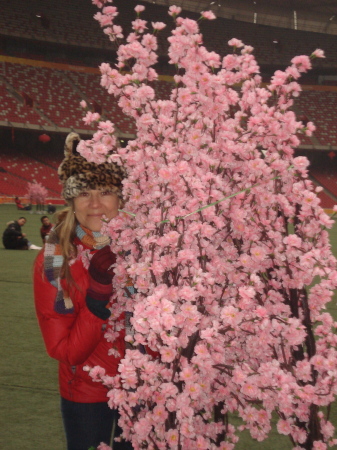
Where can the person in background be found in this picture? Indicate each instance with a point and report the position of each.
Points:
(51, 209)
(72, 287)
(20, 206)
(46, 228)
(14, 239)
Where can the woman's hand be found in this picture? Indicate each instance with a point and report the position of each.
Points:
(100, 282)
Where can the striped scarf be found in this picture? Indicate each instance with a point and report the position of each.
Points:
(53, 261)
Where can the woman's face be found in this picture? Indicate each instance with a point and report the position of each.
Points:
(91, 205)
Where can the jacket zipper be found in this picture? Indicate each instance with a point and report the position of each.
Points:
(70, 382)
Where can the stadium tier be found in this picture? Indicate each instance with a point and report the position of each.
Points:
(18, 170)
(65, 25)
(12, 186)
(55, 96)
(13, 109)
(49, 93)
(44, 157)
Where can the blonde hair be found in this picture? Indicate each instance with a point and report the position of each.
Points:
(65, 229)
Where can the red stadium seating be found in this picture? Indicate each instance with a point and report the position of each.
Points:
(24, 170)
(12, 110)
(89, 84)
(11, 185)
(50, 92)
(327, 178)
(57, 95)
(320, 107)
(326, 201)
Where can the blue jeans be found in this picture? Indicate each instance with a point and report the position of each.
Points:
(88, 424)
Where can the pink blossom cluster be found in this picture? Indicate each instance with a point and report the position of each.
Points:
(36, 193)
(99, 148)
(223, 237)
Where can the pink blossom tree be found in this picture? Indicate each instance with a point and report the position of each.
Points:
(37, 194)
(226, 244)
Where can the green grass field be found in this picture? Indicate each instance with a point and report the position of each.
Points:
(29, 414)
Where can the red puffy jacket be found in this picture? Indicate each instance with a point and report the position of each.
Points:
(75, 339)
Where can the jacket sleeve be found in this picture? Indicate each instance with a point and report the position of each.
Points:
(14, 231)
(69, 338)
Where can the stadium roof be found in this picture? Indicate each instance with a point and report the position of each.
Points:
(310, 15)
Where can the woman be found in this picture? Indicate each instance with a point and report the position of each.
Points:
(71, 297)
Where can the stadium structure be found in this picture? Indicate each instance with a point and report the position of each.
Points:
(49, 57)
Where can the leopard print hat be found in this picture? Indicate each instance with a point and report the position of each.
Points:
(77, 174)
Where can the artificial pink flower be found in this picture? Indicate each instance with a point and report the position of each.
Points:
(235, 43)
(209, 15)
(318, 53)
(91, 117)
(139, 8)
(103, 446)
(158, 25)
(174, 10)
